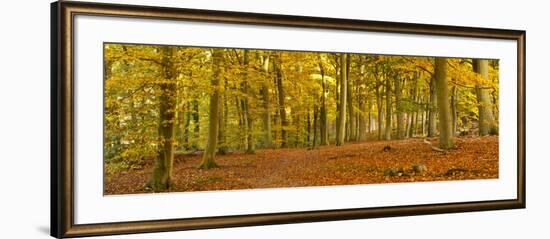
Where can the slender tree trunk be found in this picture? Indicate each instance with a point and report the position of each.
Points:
(423, 121)
(398, 108)
(445, 127)
(309, 134)
(295, 119)
(369, 107)
(180, 128)
(250, 141)
(418, 110)
(388, 129)
(323, 116)
(267, 104)
(196, 124)
(414, 124)
(454, 113)
(337, 99)
(486, 123)
(379, 107)
(186, 130)
(162, 169)
(240, 122)
(213, 124)
(282, 108)
(351, 113)
(363, 120)
(315, 126)
(432, 115)
(222, 121)
(276, 120)
(343, 93)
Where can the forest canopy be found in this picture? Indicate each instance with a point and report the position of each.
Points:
(162, 101)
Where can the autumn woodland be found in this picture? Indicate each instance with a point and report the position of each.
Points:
(179, 118)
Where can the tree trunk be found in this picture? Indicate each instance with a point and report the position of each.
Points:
(423, 121)
(379, 106)
(250, 143)
(369, 107)
(454, 113)
(485, 107)
(186, 130)
(351, 124)
(432, 115)
(323, 116)
(308, 134)
(295, 119)
(337, 99)
(398, 108)
(414, 118)
(162, 169)
(180, 128)
(387, 133)
(315, 126)
(196, 128)
(267, 104)
(343, 93)
(363, 120)
(282, 109)
(445, 127)
(222, 121)
(213, 124)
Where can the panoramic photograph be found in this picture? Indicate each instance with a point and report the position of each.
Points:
(186, 118)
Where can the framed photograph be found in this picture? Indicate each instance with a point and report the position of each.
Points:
(170, 119)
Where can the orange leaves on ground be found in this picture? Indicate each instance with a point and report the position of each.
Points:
(353, 163)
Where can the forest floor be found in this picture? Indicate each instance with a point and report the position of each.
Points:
(353, 163)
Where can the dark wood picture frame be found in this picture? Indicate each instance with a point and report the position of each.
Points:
(62, 121)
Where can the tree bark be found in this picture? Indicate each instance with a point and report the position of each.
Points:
(213, 124)
(423, 120)
(414, 118)
(282, 109)
(180, 128)
(363, 121)
(351, 113)
(196, 128)
(379, 106)
(250, 141)
(267, 104)
(445, 127)
(485, 107)
(432, 110)
(387, 133)
(222, 121)
(398, 108)
(323, 116)
(186, 125)
(315, 126)
(341, 129)
(162, 169)
(454, 113)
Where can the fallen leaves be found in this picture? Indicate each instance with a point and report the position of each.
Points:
(352, 163)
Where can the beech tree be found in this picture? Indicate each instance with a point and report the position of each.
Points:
(442, 88)
(341, 127)
(162, 171)
(486, 119)
(323, 111)
(212, 141)
(266, 102)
